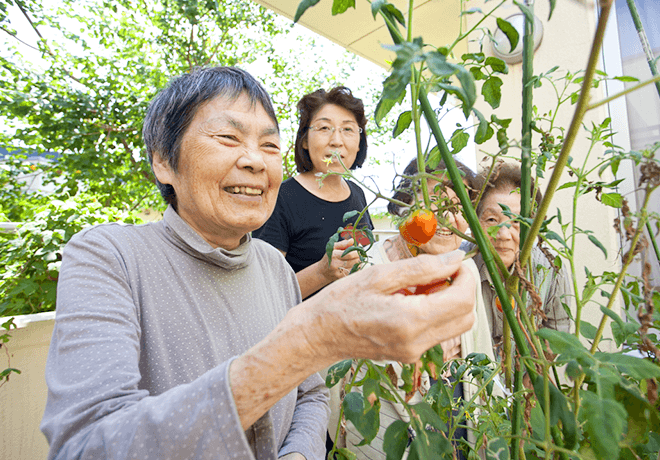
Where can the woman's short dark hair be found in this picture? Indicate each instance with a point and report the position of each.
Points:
(404, 192)
(506, 176)
(310, 104)
(172, 110)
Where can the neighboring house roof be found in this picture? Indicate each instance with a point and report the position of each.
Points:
(32, 155)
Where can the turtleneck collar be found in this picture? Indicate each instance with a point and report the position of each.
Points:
(188, 240)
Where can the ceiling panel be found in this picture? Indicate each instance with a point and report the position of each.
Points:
(437, 21)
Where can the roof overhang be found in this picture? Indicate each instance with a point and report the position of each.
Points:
(437, 21)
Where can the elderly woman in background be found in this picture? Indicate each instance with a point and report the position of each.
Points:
(553, 285)
(396, 248)
(308, 212)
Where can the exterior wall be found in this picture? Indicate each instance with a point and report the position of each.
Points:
(566, 43)
(23, 397)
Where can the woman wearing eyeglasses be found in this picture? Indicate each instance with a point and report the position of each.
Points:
(308, 212)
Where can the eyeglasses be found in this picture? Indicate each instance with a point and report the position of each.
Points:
(347, 132)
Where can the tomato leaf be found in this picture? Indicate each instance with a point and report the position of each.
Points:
(614, 200)
(337, 371)
(438, 65)
(395, 440)
(484, 131)
(302, 7)
(497, 449)
(598, 244)
(497, 64)
(559, 409)
(350, 214)
(365, 418)
(340, 6)
(552, 8)
(626, 78)
(434, 157)
(633, 366)
(604, 421)
(343, 453)
(459, 140)
(403, 122)
(330, 246)
(491, 91)
(511, 33)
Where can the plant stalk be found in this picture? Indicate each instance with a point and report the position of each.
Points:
(653, 241)
(462, 36)
(646, 46)
(527, 102)
(655, 80)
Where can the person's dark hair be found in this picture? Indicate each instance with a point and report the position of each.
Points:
(505, 177)
(310, 104)
(404, 190)
(172, 110)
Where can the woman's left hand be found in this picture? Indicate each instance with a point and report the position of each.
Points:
(339, 266)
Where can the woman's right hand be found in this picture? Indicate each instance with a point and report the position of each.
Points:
(362, 317)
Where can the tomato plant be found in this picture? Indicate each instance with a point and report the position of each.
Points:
(588, 399)
(360, 236)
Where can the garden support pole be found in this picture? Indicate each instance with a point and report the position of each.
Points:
(650, 59)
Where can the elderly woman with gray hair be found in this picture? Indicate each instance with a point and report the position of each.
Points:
(552, 284)
(187, 339)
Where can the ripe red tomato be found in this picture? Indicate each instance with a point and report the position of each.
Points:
(360, 235)
(428, 288)
(419, 228)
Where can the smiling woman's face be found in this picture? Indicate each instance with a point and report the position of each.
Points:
(230, 170)
(507, 240)
(322, 140)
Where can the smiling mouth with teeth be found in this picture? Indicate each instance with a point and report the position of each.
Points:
(444, 233)
(244, 191)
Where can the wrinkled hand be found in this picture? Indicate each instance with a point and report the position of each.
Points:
(360, 317)
(340, 266)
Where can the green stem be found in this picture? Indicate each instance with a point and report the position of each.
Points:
(331, 454)
(349, 173)
(526, 141)
(414, 88)
(421, 162)
(394, 390)
(572, 133)
(507, 352)
(578, 184)
(546, 397)
(646, 46)
(655, 80)
(410, 17)
(517, 411)
(653, 241)
(462, 36)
